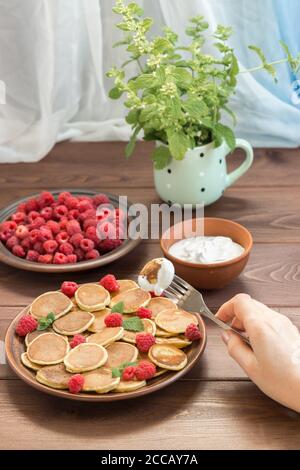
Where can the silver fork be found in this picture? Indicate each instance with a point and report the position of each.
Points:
(185, 296)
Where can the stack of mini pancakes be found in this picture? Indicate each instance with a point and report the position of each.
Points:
(49, 354)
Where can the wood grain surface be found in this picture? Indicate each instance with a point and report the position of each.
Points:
(215, 406)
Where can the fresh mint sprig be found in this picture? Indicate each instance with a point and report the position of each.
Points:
(133, 324)
(45, 322)
(118, 308)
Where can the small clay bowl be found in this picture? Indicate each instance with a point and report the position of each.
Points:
(213, 275)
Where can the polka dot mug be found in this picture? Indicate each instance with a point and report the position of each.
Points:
(201, 177)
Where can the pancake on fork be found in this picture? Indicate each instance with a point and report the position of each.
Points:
(149, 327)
(100, 381)
(106, 336)
(51, 302)
(28, 363)
(92, 297)
(48, 349)
(85, 357)
(158, 304)
(120, 353)
(167, 357)
(125, 285)
(73, 323)
(132, 299)
(175, 321)
(54, 376)
(98, 324)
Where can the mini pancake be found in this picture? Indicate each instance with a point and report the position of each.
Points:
(119, 352)
(163, 334)
(28, 363)
(51, 302)
(85, 357)
(106, 336)
(158, 304)
(100, 381)
(129, 386)
(98, 324)
(133, 299)
(177, 341)
(149, 327)
(54, 376)
(34, 334)
(73, 323)
(167, 357)
(175, 321)
(92, 297)
(125, 285)
(48, 349)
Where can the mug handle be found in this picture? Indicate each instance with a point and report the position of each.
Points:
(238, 172)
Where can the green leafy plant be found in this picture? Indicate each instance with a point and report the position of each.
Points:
(118, 308)
(133, 324)
(45, 322)
(180, 94)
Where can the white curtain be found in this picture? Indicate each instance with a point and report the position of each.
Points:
(54, 55)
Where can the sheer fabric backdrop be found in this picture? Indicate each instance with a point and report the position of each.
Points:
(54, 55)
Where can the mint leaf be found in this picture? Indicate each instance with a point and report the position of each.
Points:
(179, 143)
(133, 324)
(45, 322)
(118, 308)
(115, 93)
(161, 157)
(115, 372)
(51, 317)
(223, 132)
(118, 371)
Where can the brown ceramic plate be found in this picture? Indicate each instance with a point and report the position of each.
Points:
(14, 347)
(7, 257)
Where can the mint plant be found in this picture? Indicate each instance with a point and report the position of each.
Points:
(180, 93)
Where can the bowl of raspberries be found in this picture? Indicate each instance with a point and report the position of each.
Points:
(64, 231)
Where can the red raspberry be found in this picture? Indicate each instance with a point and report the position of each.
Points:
(89, 214)
(77, 339)
(5, 235)
(144, 341)
(60, 258)
(62, 237)
(76, 239)
(92, 254)
(53, 226)
(38, 246)
(143, 312)
(19, 251)
(37, 223)
(8, 225)
(50, 246)
(72, 258)
(18, 217)
(106, 230)
(11, 242)
(80, 254)
(47, 213)
(89, 223)
(69, 288)
(63, 196)
(45, 259)
(99, 199)
(91, 233)
(145, 370)
(72, 227)
(113, 320)
(26, 243)
(84, 205)
(34, 235)
(31, 205)
(128, 373)
(103, 214)
(63, 223)
(75, 383)
(32, 216)
(22, 232)
(71, 202)
(192, 332)
(60, 211)
(109, 245)
(110, 283)
(45, 199)
(87, 245)
(73, 214)
(45, 233)
(66, 248)
(32, 255)
(26, 325)
(21, 207)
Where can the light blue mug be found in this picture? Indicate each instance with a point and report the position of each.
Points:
(201, 177)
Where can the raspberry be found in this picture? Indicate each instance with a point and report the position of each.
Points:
(75, 383)
(128, 373)
(11, 242)
(63, 223)
(69, 288)
(109, 245)
(88, 214)
(60, 258)
(53, 226)
(8, 225)
(92, 254)
(22, 232)
(99, 199)
(89, 223)
(38, 246)
(76, 239)
(60, 211)
(84, 205)
(62, 237)
(45, 259)
(113, 319)
(45, 233)
(45, 199)
(66, 248)
(21, 207)
(50, 246)
(47, 213)
(71, 202)
(80, 254)
(19, 251)
(5, 235)
(31, 205)
(63, 196)
(32, 255)
(34, 235)
(91, 233)
(37, 223)
(77, 339)
(72, 227)
(26, 243)
(143, 312)
(26, 325)
(192, 332)
(73, 214)
(144, 341)
(87, 245)
(32, 216)
(104, 214)
(110, 283)
(72, 258)
(145, 370)
(18, 217)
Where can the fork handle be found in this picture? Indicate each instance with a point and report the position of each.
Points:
(224, 325)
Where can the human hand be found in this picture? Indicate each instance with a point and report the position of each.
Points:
(273, 363)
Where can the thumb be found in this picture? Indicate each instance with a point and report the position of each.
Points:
(240, 352)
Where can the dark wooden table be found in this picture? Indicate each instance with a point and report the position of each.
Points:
(215, 406)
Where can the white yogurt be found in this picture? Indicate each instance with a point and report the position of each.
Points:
(206, 250)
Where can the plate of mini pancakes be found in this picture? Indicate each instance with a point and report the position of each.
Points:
(45, 360)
